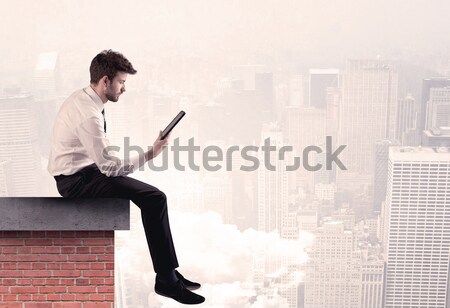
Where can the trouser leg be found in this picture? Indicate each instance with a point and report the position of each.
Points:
(91, 183)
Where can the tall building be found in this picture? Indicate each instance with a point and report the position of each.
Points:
(436, 137)
(368, 112)
(19, 142)
(372, 276)
(438, 108)
(304, 126)
(427, 85)
(272, 185)
(406, 120)
(380, 173)
(333, 277)
(417, 241)
(319, 81)
(6, 182)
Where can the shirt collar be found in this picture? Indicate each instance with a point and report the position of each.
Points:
(94, 96)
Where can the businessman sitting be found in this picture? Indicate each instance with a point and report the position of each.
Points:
(81, 169)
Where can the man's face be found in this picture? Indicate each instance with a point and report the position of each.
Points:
(116, 87)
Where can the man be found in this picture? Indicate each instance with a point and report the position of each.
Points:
(82, 168)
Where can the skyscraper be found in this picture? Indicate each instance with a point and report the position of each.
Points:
(272, 186)
(417, 233)
(333, 278)
(427, 85)
(368, 112)
(19, 142)
(319, 81)
(438, 108)
(406, 120)
(380, 173)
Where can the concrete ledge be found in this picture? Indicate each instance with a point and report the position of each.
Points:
(60, 214)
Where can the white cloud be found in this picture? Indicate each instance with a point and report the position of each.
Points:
(220, 257)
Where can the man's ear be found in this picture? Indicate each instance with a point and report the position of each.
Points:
(104, 80)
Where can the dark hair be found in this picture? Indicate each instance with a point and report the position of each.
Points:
(108, 63)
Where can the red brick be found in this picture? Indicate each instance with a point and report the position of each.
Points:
(86, 289)
(9, 297)
(67, 281)
(67, 242)
(38, 281)
(68, 250)
(97, 281)
(82, 282)
(67, 297)
(38, 266)
(68, 234)
(83, 250)
(52, 282)
(38, 234)
(97, 242)
(24, 250)
(54, 266)
(53, 289)
(9, 282)
(106, 257)
(81, 266)
(24, 290)
(109, 249)
(67, 305)
(107, 289)
(11, 274)
(97, 274)
(9, 266)
(53, 234)
(98, 305)
(82, 258)
(11, 242)
(10, 305)
(52, 258)
(109, 265)
(53, 249)
(66, 273)
(97, 266)
(98, 249)
(4, 289)
(53, 297)
(81, 297)
(24, 258)
(109, 297)
(38, 273)
(97, 297)
(24, 297)
(9, 250)
(23, 266)
(68, 266)
(39, 297)
(5, 258)
(109, 281)
(38, 305)
(38, 242)
(24, 282)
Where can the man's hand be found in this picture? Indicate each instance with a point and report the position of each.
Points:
(159, 145)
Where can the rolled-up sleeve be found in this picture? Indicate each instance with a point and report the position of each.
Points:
(94, 140)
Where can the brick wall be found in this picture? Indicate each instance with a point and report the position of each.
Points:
(56, 269)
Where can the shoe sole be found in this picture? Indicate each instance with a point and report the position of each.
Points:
(159, 293)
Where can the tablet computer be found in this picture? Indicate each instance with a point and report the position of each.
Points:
(172, 124)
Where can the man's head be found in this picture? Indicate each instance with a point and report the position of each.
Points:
(109, 71)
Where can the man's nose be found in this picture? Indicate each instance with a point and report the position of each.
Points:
(123, 89)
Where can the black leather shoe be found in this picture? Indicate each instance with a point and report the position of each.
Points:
(190, 285)
(178, 292)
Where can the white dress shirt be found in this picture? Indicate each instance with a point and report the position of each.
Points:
(79, 140)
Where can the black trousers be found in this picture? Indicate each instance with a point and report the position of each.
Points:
(91, 183)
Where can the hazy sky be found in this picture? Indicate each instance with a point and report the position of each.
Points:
(235, 28)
